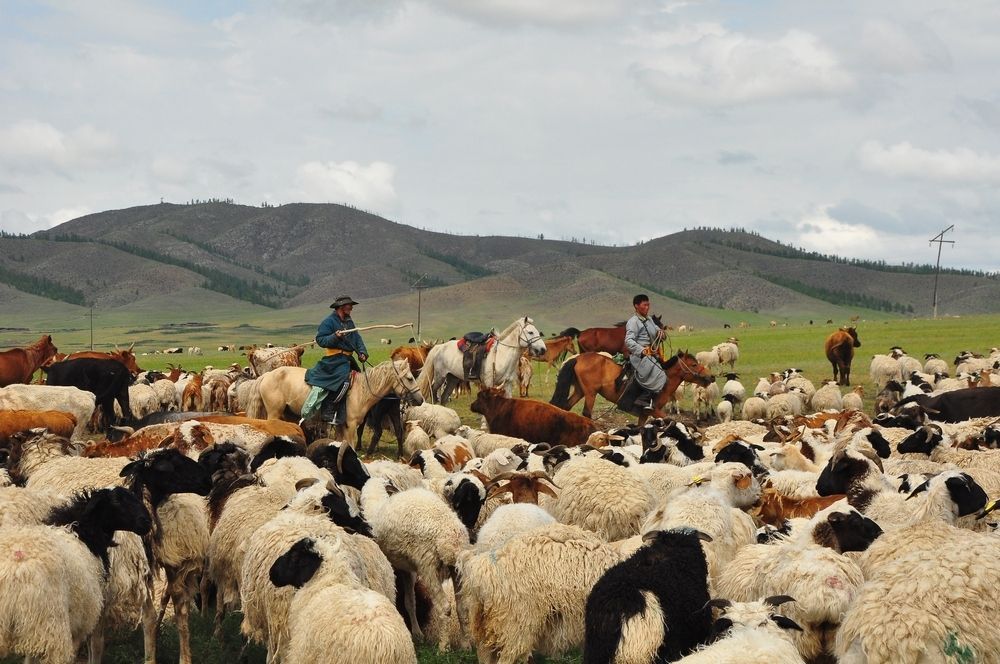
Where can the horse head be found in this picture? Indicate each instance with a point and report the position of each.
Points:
(531, 338)
(406, 387)
(691, 370)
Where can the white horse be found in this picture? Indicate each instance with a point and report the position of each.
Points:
(443, 366)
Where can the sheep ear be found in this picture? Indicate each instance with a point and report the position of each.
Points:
(778, 600)
(920, 489)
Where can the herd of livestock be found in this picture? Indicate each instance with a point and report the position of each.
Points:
(790, 526)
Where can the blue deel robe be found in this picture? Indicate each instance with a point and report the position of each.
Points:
(332, 371)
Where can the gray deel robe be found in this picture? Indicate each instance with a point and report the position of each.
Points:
(639, 333)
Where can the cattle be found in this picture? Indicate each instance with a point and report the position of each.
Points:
(108, 380)
(957, 405)
(194, 350)
(126, 357)
(18, 364)
(268, 359)
(14, 421)
(78, 403)
(173, 351)
(228, 348)
(839, 348)
(533, 421)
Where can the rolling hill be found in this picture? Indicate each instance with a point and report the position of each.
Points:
(168, 260)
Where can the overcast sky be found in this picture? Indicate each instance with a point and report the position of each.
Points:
(857, 128)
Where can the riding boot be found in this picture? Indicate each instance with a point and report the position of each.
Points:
(335, 406)
(645, 400)
(328, 412)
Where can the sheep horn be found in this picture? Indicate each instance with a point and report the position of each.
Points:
(340, 457)
(500, 478)
(332, 487)
(306, 481)
(870, 454)
(778, 600)
(718, 603)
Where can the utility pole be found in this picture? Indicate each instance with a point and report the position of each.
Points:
(939, 238)
(91, 314)
(416, 284)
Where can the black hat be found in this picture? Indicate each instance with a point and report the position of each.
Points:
(341, 301)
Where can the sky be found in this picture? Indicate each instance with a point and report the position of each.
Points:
(856, 128)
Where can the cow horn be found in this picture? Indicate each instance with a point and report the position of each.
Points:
(128, 431)
(131, 346)
(340, 457)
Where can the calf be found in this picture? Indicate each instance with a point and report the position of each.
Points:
(57, 422)
(533, 421)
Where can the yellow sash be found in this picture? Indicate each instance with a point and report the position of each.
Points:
(336, 351)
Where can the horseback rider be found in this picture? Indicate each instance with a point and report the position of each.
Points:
(330, 378)
(642, 340)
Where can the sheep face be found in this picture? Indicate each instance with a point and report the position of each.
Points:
(468, 500)
(879, 443)
(922, 440)
(342, 460)
(165, 472)
(848, 532)
(119, 509)
(839, 473)
(340, 512)
(745, 453)
(966, 495)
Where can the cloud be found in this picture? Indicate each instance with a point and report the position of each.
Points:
(983, 112)
(727, 157)
(904, 160)
(818, 231)
(6, 188)
(706, 65)
(17, 221)
(354, 110)
(33, 145)
(902, 47)
(532, 12)
(340, 11)
(369, 187)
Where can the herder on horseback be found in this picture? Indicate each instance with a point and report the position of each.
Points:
(331, 377)
(642, 340)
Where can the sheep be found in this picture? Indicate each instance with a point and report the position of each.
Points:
(788, 403)
(508, 521)
(908, 365)
(421, 536)
(751, 633)
(934, 364)
(44, 461)
(637, 614)
(929, 440)
(908, 610)
(734, 386)
(55, 577)
(705, 397)
(330, 606)
(416, 438)
(762, 388)
(724, 410)
(797, 380)
(824, 582)
(828, 397)
(165, 395)
(516, 598)
(790, 457)
(728, 352)
(854, 400)
(437, 421)
(500, 460)
(708, 358)
(754, 408)
(883, 369)
(601, 497)
(484, 442)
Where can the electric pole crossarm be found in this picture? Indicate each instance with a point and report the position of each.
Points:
(939, 238)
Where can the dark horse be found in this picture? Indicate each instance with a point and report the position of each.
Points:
(840, 351)
(607, 339)
(590, 374)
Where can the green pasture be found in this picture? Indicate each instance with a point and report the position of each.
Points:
(762, 349)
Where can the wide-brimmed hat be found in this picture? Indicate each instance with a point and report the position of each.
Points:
(341, 301)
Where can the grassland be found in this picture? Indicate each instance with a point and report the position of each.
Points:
(763, 349)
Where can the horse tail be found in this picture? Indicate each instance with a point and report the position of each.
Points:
(255, 402)
(564, 381)
(425, 382)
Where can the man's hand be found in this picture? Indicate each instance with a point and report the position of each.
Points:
(647, 351)
(341, 333)
(362, 357)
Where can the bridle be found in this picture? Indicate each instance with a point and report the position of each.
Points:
(402, 382)
(686, 368)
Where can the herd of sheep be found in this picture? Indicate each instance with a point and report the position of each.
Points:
(796, 529)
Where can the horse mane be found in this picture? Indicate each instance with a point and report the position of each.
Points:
(672, 361)
(510, 328)
(378, 378)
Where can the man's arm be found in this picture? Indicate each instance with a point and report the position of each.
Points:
(326, 335)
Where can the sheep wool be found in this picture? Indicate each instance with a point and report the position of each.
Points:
(508, 521)
(828, 398)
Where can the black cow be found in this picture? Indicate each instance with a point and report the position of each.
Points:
(108, 380)
(958, 405)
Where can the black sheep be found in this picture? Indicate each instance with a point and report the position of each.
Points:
(671, 565)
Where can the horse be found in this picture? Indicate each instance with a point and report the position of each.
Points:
(17, 365)
(285, 389)
(443, 368)
(840, 351)
(556, 349)
(590, 374)
(607, 339)
(415, 355)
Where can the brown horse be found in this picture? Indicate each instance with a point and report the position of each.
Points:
(607, 339)
(556, 349)
(18, 364)
(414, 355)
(590, 374)
(840, 351)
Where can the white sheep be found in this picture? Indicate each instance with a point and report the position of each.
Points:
(436, 420)
(708, 358)
(728, 352)
(734, 387)
(828, 397)
(724, 410)
(508, 521)
(517, 600)
(854, 400)
(415, 439)
(758, 635)
(788, 403)
(332, 614)
(883, 369)
(484, 442)
(754, 408)
(705, 397)
(600, 496)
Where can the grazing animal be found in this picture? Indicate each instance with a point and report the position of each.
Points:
(556, 349)
(591, 374)
(840, 352)
(107, 379)
(534, 421)
(285, 388)
(444, 366)
(415, 355)
(957, 405)
(17, 365)
(524, 374)
(263, 360)
(606, 339)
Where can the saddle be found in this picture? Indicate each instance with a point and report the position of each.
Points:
(474, 347)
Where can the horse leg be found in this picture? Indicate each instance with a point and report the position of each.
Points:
(396, 420)
(588, 404)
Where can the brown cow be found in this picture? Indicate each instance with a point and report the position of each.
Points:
(414, 355)
(126, 357)
(155, 436)
(18, 364)
(840, 351)
(533, 421)
(56, 421)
